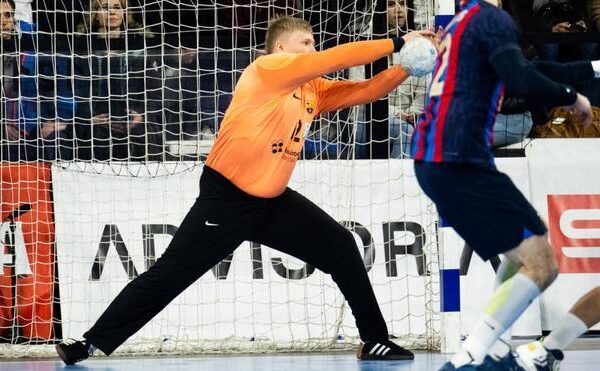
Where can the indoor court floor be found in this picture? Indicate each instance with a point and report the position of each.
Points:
(575, 360)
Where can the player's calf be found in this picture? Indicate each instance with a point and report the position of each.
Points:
(536, 259)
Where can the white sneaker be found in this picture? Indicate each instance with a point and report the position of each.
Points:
(535, 357)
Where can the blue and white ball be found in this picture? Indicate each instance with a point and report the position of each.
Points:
(418, 56)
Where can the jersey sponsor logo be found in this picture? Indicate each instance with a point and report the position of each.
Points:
(277, 146)
(574, 228)
(291, 153)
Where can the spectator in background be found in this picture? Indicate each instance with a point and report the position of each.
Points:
(561, 16)
(407, 101)
(516, 117)
(594, 14)
(111, 19)
(424, 16)
(34, 120)
(222, 59)
(558, 16)
(514, 121)
(114, 122)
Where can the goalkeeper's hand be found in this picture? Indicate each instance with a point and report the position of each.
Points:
(436, 37)
(414, 34)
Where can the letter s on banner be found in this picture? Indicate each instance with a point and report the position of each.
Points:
(574, 227)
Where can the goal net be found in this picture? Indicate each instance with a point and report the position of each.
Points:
(109, 108)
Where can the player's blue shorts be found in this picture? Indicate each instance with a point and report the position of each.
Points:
(482, 204)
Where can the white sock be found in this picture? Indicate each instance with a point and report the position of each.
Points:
(596, 67)
(571, 327)
(507, 303)
(501, 347)
(481, 338)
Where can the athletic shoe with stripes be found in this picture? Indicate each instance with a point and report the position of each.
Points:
(383, 350)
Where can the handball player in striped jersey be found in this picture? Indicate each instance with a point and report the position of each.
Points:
(479, 58)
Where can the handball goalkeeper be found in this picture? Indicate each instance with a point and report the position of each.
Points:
(244, 194)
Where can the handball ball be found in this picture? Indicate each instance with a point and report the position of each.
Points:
(418, 56)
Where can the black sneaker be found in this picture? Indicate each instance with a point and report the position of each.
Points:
(72, 351)
(383, 351)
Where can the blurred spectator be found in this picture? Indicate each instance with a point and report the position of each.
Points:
(35, 121)
(424, 16)
(215, 40)
(116, 97)
(557, 16)
(218, 73)
(406, 103)
(111, 19)
(7, 20)
(594, 14)
(517, 118)
(561, 16)
(513, 122)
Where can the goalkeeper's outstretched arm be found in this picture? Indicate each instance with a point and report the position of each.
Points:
(335, 95)
(289, 70)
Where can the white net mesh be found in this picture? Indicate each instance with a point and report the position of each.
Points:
(125, 100)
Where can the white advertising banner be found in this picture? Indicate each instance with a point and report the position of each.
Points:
(109, 229)
(565, 183)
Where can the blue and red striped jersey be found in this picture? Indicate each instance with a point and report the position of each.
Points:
(465, 93)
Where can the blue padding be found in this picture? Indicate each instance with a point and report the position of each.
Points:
(450, 290)
(318, 146)
(26, 27)
(443, 223)
(443, 20)
(527, 233)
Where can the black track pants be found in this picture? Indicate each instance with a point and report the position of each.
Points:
(222, 218)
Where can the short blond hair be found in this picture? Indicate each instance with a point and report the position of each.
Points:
(281, 25)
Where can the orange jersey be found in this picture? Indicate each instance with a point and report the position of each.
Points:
(274, 103)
